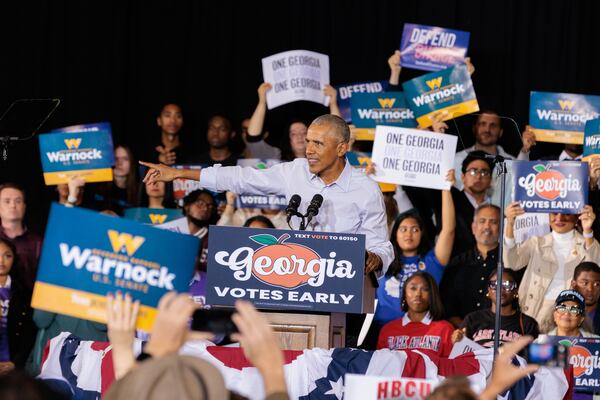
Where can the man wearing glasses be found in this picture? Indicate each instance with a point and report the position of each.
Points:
(488, 130)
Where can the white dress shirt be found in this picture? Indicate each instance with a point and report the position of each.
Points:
(351, 204)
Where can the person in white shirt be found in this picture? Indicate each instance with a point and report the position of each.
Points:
(352, 203)
(488, 131)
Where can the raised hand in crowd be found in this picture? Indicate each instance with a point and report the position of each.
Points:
(165, 156)
(395, 68)
(470, 66)
(511, 213)
(121, 316)
(334, 109)
(437, 125)
(587, 218)
(528, 139)
(505, 373)
(171, 329)
(594, 165)
(255, 127)
(260, 346)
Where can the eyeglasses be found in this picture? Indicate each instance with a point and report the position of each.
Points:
(573, 310)
(482, 172)
(507, 286)
(412, 229)
(202, 203)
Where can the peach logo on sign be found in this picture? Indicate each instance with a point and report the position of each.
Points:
(548, 183)
(283, 264)
(582, 360)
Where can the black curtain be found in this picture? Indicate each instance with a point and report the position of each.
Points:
(119, 61)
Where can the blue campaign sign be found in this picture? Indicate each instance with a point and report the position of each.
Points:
(345, 93)
(561, 117)
(389, 108)
(550, 186)
(256, 200)
(286, 270)
(153, 216)
(583, 357)
(87, 153)
(447, 94)
(87, 254)
(591, 140)
(432, 48)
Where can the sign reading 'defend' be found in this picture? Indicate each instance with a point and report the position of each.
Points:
(389, 108)
(561, 117)
(279, 269)
(83, 150)
(554, 186)
(412, 157)
(345, 93)
(87, 254)
(446, 94)
(432, 48)
(296, 75)
(591, 139)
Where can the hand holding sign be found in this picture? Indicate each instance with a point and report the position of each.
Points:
(262, 92)
(587, 218)
(395, 67)
(121, 317)
(528, 140)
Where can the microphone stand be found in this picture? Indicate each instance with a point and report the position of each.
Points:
(501, 164)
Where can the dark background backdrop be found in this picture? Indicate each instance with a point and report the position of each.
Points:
(119, 61)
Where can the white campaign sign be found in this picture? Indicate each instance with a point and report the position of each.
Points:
(531, 224)
(296, 75)
(465, 345)
(365, 387)
(412, 157)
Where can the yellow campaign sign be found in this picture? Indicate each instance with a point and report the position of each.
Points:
(363, 133)
(552, 136)
(82, 305)
(447, 113)
(89, 175)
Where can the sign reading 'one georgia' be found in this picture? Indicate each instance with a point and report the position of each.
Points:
(296, 75)
(87, 254)
(389, 108)
(84, 150)
(279, 269)
(561, 117)
(432, 48)
(345, 93)
(448, 93)
(554, 186)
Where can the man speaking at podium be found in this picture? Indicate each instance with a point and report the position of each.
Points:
(352, 202)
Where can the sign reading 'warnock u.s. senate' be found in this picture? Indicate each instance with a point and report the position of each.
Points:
(279, 269)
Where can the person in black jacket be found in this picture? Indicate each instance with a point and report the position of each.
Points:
(17, 331)
(586, 280)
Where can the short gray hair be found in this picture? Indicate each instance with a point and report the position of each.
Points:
(338, 125)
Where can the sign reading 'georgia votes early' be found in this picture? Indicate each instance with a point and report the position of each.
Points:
(286, 270)
(257, 200)
(561, 117)
(447, 94)
(551, 187)
(389, 108)
(296, 75)
(83, 150)
(412, 157)
(87, 254)
(345, 93)
(432, 48)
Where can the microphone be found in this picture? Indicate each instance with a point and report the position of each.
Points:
(313, 207)
(292, 208)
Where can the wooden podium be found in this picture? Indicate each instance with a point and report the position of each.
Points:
(299, 331)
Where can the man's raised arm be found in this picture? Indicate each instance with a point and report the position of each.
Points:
(162, 173)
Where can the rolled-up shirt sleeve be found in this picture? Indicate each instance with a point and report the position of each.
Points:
(244, 180)
(374, 226)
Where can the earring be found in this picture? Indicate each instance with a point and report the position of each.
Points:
(403, 304)
(487, 295)
(516, 295)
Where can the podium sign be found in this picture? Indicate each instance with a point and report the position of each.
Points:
(286, 270)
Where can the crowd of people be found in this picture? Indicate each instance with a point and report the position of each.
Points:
(436, 253)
